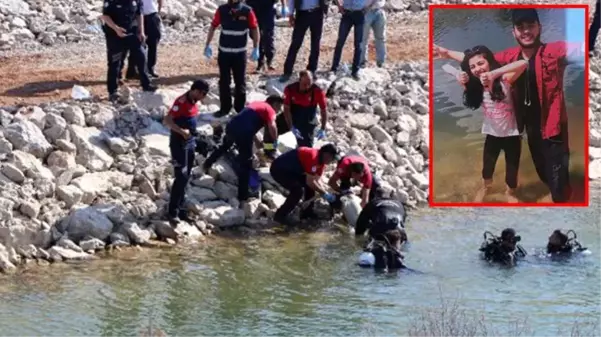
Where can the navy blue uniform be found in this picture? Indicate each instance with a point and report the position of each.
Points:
(265, 13)
(240, 131)
(124, 13)
(236, 20)
(184, 114)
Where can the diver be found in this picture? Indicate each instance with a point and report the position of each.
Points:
(561, 244)
(504, 249)
(384, 220)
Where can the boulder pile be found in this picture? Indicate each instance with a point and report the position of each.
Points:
(77, 176)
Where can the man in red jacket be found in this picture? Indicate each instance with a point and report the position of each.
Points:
(538, 97)
(356, 168)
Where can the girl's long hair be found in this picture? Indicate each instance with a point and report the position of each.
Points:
(474, 90)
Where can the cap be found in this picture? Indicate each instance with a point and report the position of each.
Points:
(521, 15)
(200, 85)
(331, 149)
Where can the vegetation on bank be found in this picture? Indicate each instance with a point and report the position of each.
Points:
(452, 320)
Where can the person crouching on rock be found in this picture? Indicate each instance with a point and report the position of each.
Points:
(504, 249)
(241, 130)
(488, 85)
(299, 171)
(356, 168)
(181, 120)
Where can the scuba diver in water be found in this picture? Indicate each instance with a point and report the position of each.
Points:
(384, 220)
(561, 244)
(504, 249)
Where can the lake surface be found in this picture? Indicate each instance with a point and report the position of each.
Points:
(308, 284)
(458, 142)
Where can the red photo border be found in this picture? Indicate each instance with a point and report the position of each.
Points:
(431, 201)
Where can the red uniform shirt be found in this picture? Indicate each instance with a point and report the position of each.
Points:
(309, 160)
(303, 99)
(264, 110)
(252, 20)
(343, 169)
(183, 108)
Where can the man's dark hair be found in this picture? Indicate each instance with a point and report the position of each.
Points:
(200, 85)
(274, 99)
(521, 15)
(329, 148)
(356, 167)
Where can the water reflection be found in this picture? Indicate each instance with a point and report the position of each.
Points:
(457, 137)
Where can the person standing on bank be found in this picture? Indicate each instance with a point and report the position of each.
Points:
(236, 19)
(375, 19)
(181, 120)
(265, 12)
(152, 29)
(241, 130)
(310, 15)
(353, 16)
(119, 17)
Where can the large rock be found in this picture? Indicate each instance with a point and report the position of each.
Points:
(223, 216)
(31, 166)
(26, 136)
(88, 222)
(98, 182)
(91, 151)
(363, 121)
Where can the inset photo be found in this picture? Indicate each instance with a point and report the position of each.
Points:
(509, 105)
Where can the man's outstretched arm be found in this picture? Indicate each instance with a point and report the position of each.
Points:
(445, 53)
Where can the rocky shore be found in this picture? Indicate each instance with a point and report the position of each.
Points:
(77, 177)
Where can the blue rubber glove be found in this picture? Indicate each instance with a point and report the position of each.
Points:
(285, 11)
(296, 133)
(321, 134)
(329, 197)
(255, 54)
(208, 52)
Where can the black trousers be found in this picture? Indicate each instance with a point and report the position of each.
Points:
(232, 64)
(266, 19)
(152, 29)
(183, 161)
(355, 20)
(305, 20)
(243, 159)
(594, 29)
(115, 47)
(557, 167)
(295, 184)
(512, 147)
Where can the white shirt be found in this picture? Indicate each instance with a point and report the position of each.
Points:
(149, 7)
(499, 117)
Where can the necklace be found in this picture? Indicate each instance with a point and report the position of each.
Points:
(527, 101)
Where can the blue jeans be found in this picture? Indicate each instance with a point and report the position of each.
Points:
(376, 20)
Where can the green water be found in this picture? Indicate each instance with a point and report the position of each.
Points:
(457, 136)
(307, 284)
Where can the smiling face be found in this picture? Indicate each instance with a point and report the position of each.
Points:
(527, 34)
(479, 65)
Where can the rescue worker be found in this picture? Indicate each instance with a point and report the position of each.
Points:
(310, 15)
(560, 244)
(299, 171)
(121, 35)
(301, 99)
(265, 13)
(353, 16)
(241, 130)
(356, 168)
(504, 249)
(152, 29)
(181, 120)
(381, 215)
(236, 19)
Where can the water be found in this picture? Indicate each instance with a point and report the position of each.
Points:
(307, 284)
(457, 137)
